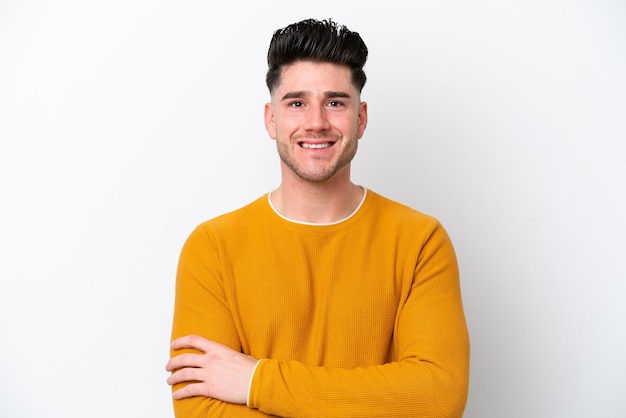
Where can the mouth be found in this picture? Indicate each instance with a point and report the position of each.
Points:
(322, 145)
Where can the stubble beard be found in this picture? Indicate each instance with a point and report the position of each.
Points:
(321, 172)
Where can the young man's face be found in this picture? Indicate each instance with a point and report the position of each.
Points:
(316, 117)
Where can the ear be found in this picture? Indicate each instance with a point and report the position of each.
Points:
(362, 119)
(270, 123)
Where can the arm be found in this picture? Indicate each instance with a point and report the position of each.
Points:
(201, 310)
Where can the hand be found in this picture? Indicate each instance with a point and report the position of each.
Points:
(219, 373)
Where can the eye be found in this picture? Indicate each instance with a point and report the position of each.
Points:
(335, 103)
(296, 103)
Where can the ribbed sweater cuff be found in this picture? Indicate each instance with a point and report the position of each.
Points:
(250, 383)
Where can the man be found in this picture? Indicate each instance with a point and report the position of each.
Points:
(321, 298)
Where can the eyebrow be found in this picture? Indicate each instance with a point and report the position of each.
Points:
(303, 93)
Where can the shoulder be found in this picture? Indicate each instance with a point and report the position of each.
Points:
(236, 221)
(405, 226)
(392, 210)
(403, 222)
(229, 228)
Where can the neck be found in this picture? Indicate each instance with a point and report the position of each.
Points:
(325, 202)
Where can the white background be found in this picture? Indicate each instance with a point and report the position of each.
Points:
(123, 124)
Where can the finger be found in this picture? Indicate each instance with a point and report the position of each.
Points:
(184, 360)
(193, 389)
(192, 341)
(186, 375)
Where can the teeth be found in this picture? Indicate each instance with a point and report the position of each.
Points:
(315, 146)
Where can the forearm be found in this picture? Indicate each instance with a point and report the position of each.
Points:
(410, 388)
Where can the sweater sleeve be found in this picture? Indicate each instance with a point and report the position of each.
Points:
(429, 376)
(201, 308)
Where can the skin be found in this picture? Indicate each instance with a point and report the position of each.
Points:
(316, 117)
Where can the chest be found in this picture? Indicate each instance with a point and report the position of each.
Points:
(304, 297)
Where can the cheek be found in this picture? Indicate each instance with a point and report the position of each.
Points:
(284, 129)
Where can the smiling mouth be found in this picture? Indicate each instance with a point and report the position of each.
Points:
(308, 145)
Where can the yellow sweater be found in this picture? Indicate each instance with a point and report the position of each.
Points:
(360, 318)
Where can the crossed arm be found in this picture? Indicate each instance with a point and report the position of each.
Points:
(222, 377)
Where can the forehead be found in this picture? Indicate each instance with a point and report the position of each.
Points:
(315, 76)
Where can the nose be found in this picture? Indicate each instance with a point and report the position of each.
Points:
(317, 119)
